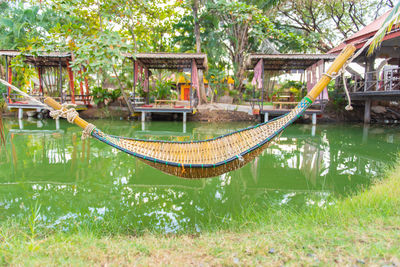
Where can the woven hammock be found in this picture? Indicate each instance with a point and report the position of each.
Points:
(212, 157)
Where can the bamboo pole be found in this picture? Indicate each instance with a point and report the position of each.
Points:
(54, 104)
(332, 71)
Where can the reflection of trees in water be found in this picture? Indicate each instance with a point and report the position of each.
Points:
(83, 180)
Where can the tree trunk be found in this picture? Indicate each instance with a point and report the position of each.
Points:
(202, 96)
(126, 98)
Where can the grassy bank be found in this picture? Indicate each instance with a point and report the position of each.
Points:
(363, 229)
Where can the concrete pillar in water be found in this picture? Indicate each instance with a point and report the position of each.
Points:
(57, 124)
(367, 112)
(143, 116)
(314, 118)
(313, 128)
(20, 113)
(266, 116)
(21, 124)
(143, 126)
(184, 117)
(184, 127)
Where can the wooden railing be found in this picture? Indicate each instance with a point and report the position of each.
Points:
(385, 80)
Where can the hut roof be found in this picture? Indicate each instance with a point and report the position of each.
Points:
(170, 60)
(276, 62)
(45, 59)
(390, 41)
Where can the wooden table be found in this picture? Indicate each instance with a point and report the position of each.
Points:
(159, 102)
(283, 103)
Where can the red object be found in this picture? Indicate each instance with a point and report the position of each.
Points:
(21, 102)
(71, 83)
(10, 82)
(179, 106)
(147, 106)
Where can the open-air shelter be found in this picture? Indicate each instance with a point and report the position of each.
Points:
(143, 63)
(311, 65)
(53, 71)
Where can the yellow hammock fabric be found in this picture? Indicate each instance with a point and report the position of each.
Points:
(208, 158)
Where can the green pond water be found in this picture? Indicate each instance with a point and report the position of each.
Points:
(77, 181)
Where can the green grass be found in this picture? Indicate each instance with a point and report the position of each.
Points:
(363, 229)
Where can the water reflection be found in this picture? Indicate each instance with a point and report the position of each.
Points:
(77, 181)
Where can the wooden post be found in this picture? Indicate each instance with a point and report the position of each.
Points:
(71, 83)
(9, 80)
(262, 85)
(39, 70)
(367, 112)
(146, 84)
(190, 90)
(81, 86)
(60, 80)
(135, 78)
(86, 86)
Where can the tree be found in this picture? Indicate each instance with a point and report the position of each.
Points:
(324, 23)
(195, 7)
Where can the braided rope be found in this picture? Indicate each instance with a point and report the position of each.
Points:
(68, 113)
(87, 132)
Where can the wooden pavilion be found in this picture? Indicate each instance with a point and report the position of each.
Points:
(377, 82)
(181, 62)
(310, 65)
(53, 71)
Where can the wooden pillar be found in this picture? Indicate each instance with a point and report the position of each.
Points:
(190, 90)
(367, 112)
(71, 83)
(262, 85)
(60, 80)
(39, 70)
(81, 86)
(86, 86)
(146, 84)
(9, 80)
(135, 79)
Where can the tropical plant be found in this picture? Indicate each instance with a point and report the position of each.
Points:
(100, 96)
(392, 19)
(163, 89)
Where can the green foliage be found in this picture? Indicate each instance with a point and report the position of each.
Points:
(163, 89)
(251, 93)
(100, 96)
(20, 25)
(295, 87)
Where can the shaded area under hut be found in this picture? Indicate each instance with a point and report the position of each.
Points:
(377, 76)
(52, 76)
(186, 96)
(268, 67)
